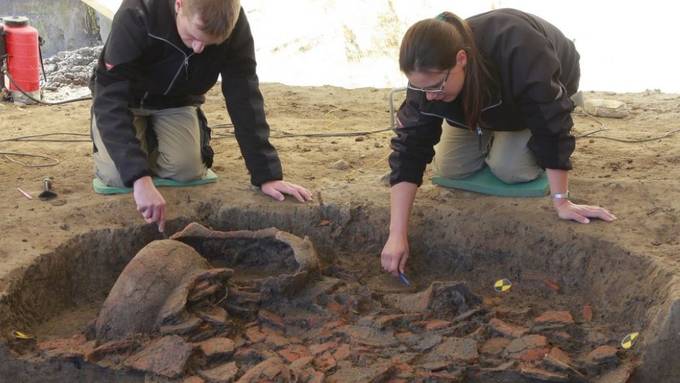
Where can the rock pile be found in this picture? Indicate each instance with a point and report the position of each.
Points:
(72, 68)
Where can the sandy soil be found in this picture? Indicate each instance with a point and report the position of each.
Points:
(637, 181)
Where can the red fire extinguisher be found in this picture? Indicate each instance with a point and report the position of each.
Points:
(22, 58)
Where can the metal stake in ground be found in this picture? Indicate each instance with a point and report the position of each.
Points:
(47, 193)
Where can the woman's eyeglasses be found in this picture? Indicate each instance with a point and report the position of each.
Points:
(435, 89)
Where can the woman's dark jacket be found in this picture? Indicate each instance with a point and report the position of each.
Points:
(144, 64)
(538, 69)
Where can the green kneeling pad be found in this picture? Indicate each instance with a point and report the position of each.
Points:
(101, 188)
(485, 182)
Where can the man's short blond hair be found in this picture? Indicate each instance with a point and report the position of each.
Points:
(219, 17)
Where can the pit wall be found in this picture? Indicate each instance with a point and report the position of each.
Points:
(636, 292)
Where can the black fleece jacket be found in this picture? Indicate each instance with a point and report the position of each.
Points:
(144, 64)
(538, 69)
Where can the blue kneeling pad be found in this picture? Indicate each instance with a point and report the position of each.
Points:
(101, 188)
(485, 182)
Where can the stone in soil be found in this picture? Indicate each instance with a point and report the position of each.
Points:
(224, 373)
(556, 317)
(219, 347)
(507, 329)
(602, 355)
(441, 299)
(528, 348)
(378, 372)
(367, 336)
(113, 347)
(494, 346)
(543, 375)
(69, 348)
(166, 356)
(272, 369)
(453, 350)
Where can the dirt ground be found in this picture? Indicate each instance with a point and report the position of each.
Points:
(637, 181)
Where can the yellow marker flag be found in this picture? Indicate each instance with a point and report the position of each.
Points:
(502, 285)
(629, 340)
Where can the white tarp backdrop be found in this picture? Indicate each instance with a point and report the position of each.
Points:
(624, 46)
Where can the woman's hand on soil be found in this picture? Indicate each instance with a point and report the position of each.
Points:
(277, 189)
(150, 202)
(580, 213)
(394, 254)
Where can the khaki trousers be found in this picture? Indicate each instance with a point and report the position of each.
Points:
(176, 155)
(458, 154)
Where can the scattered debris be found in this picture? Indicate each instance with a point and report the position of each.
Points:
(250, 306)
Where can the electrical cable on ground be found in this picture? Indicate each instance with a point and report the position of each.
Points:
(603, 127)
(8, 156)
(284, 134)
(32, 138)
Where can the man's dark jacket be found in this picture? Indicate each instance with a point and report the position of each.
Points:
(144, 64)
(538, 69)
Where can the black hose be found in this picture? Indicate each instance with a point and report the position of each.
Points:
(42, 65)
(84, 98)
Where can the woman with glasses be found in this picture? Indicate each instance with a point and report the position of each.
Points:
(501, 83)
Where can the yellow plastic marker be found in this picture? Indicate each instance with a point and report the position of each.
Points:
(502, 285)
(629, 340)
(22, 336)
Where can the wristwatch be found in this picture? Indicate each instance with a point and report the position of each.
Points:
(559, 196)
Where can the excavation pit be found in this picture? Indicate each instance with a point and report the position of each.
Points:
(340, 318)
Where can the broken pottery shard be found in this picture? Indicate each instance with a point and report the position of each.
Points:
(174, 309)
(368, 336)
(189, 326)
(278, 263)
(225, 373)
(443, 299)
(166, 356)
(215, 315)
(143, 287)
(453, 350)
(378, 372)
(543, 375)
(272, 369)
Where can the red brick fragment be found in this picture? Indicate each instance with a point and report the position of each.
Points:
(563, 317)
(602, 354)
(543, 375)
(255, 335)
(217, 347)
(294, 352)
(534, 354)
(317, 349)
(587, 313)
(552, 284)
(507, 329)
(325, 362)
(343, 352)
(494, 346)
(436, 324)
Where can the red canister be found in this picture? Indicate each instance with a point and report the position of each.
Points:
(23, 56)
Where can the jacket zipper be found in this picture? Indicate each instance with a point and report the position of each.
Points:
(478, 130)
(184, 65)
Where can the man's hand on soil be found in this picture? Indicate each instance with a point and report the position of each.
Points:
(580, 213)
(150, 202)
(277, 189)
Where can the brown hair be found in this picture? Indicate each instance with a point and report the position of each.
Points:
(432, 44)
(218, 16)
